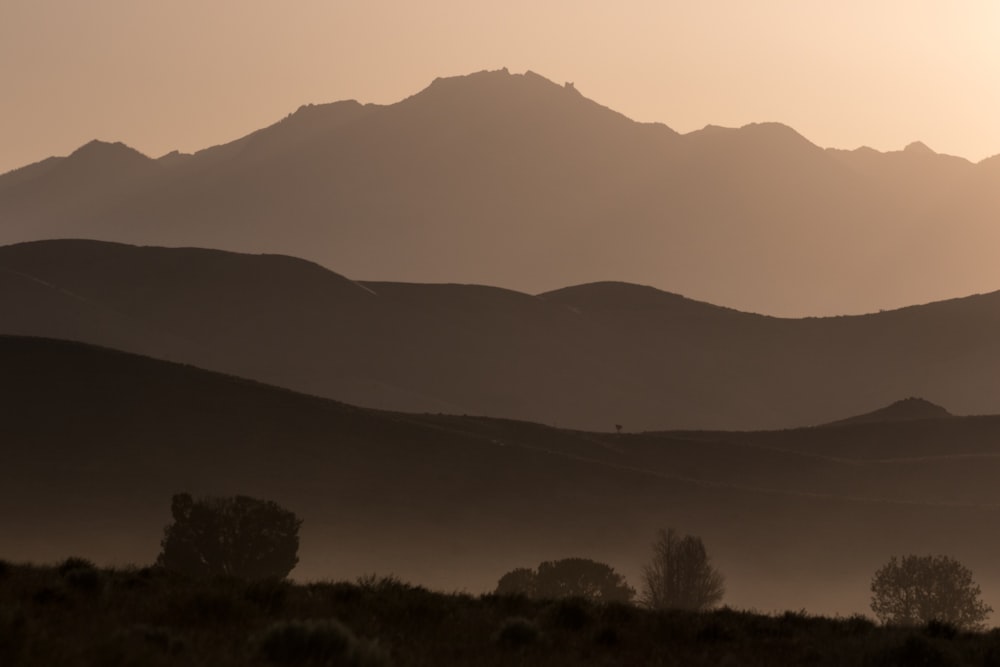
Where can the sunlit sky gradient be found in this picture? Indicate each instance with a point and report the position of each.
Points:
(187, 74)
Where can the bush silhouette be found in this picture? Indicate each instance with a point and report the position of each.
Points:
(566, 578)
(917, 590)
(680, 575)
(518, 631)
(318, 642)
(239, 536)
(519, 581)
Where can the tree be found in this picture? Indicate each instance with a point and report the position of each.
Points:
(569, 577)
(680, 575)
(915, 590)
(519, 581)
(239, 536)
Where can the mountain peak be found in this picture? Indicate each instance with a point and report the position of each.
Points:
(99, 148)
(98, 154)
(498, 79)
(907, 409)
(918, 148)
(768, 136)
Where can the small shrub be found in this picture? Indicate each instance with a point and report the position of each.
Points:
(608, 636)
(318, 642)
(5, 568)
(73, 564)
(509, 605)
(88, 580)
(991, 657)
(621, 614)
(268, 594)
(153, 639)
(340, 592)
(858, 625)
(570, 614)
(713, 632)
(13, 635)
(918, 651)
(49, 595)
(517, 632)
(218, 606)
(941, 630)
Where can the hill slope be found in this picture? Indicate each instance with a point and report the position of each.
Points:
(96, 441)
(510, 179)
(907, 409)
(589, 356)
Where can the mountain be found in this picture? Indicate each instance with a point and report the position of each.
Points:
(589, 356)
(513, 180)
(908, 409)
(95, 442)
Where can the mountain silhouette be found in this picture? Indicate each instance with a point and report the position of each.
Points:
(97, 441)
(908, 409)
(513, 180)
(589, 356)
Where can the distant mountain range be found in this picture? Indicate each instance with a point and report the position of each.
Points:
(94, 443)
(512, 180)
(589, 356)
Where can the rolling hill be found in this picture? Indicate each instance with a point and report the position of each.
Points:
(95, 441)
(589, 356)
(509, 179)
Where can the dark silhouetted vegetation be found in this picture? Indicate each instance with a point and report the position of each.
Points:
(239, 536)
(935, 590)
(567, 578)
(320, 642)
(154, 617)
(680, 575)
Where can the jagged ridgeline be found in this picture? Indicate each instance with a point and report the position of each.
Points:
(513, 180)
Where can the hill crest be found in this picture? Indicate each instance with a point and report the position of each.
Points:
(907, 409)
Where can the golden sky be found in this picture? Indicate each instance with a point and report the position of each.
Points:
(187, 74)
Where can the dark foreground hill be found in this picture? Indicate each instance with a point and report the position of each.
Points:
(510, 179)
(77, 615)
(94, 442)
(589, 356)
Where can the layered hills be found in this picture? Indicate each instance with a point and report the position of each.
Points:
(589, 356)
(510, 179)
(95, 442)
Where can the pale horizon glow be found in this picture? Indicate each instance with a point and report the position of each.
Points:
(187, 75)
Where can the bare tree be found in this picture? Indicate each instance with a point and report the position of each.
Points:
(680, 575)
(918, 589)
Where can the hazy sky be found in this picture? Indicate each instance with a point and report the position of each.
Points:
(187, 74)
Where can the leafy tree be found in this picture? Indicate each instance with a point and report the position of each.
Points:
(239, 536)
(519, 581)
(569, 577)
(915, 590)
(680, 575)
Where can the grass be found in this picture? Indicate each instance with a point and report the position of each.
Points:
(77, 614)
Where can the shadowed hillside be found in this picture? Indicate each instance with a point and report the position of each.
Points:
(589, 356)
(96, 441)
(510, 179)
